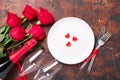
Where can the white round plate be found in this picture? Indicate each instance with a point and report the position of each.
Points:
(63, 47)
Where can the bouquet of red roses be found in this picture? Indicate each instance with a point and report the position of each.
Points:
(13, 34)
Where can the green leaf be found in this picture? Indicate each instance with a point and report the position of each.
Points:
(1, 49)
(6, 38)
(2, 28)
(2, 37)
(39, 45)
(3, 55)
(25, 24)
(7, 29)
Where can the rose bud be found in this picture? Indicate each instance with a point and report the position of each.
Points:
(37, 32)
(29, 12)
(45, 17)
(13, 20)
(17, 33)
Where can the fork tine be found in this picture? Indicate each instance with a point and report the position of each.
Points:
(106, 36)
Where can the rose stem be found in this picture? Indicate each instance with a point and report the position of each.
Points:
(20, 42)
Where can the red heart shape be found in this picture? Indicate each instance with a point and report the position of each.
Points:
(68, 44)
(74, 38)
(67, 35)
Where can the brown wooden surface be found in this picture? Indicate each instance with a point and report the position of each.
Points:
(96, 13)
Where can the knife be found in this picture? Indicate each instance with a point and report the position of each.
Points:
(102, 32)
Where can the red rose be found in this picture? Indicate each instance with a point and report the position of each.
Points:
(17, 33)
(37, 32)
(29, 12)
(13, 20)
(45, 17)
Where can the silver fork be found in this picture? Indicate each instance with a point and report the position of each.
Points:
(101, 42)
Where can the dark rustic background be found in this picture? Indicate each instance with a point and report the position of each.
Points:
(96, 13)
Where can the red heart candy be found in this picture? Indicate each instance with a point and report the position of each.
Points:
(68, 44)
(67, 35)
(74, 38)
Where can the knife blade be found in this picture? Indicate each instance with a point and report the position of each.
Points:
(102, 32)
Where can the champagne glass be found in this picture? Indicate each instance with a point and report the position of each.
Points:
(49, 74)
(31, 63)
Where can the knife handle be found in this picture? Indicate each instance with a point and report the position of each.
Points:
(91, 63)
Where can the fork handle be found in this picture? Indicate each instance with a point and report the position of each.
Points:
(95, 51)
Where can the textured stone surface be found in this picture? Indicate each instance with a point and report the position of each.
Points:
(96, 13)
